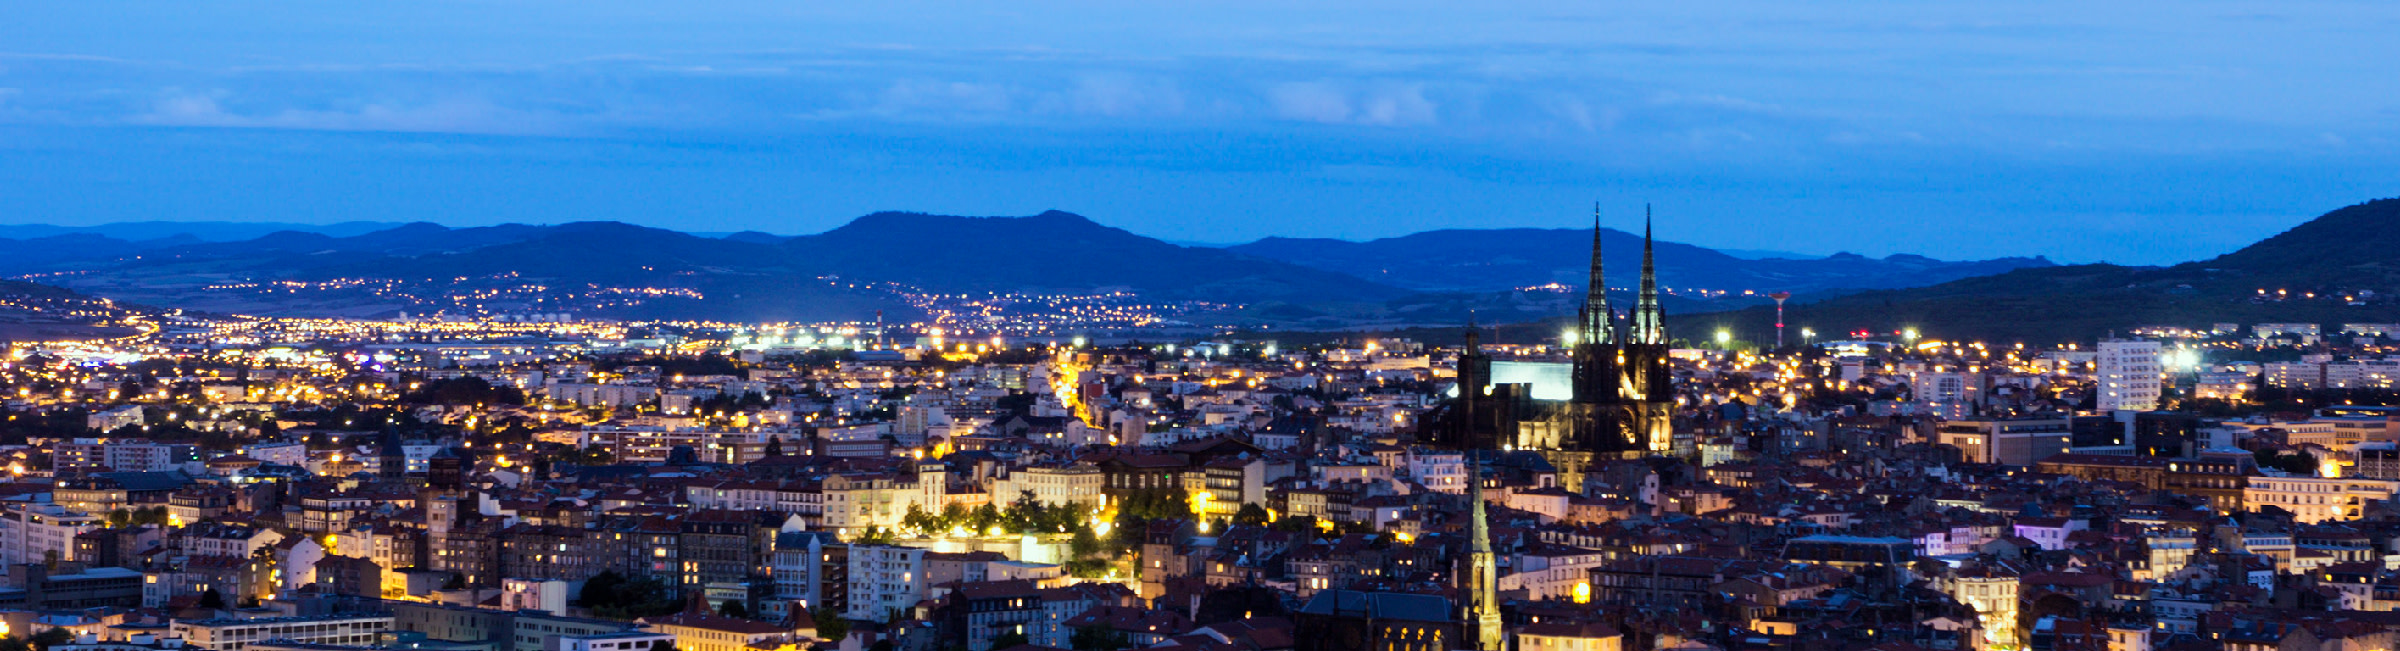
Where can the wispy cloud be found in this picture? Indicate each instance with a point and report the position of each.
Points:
(458, 115)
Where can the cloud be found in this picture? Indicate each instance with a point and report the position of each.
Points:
(1124, 95)
(1386, 105)
(914, 96)
(460, 115)
(1312, 102)
(1715, 101)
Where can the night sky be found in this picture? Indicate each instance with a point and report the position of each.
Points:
(2138, 132)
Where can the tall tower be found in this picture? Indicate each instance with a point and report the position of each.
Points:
(1474, 378)
(1648, 387)
(1593, 323)
(1483, 568)
(1649, 321)
(1594, 350)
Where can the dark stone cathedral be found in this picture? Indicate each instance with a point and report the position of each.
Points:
(1623, 402)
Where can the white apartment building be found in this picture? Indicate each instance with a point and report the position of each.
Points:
(32, 533)
(1077, 484)
(149, 457)
(110, 420)
(1440, 470)
(884, 579)
(624, 641)
(2317, 499)
(2130, 375)
(231, 634)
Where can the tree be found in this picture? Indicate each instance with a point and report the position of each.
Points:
(1009, 640)
(954, 515)
(1084, 544)
(597, 590)
(1251, 514)
(612, 595)
(1238, 602)
(50, 637)
(156, 515)
(985, 518)
(874, 536)
(1096, 638)
(774, 446)
(212, 599)
(1024, 515)
(733, 608)
(831, 626)
(918, 520)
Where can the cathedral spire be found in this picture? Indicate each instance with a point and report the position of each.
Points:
(1596, 316)
(1649, 321)
(1474, 338)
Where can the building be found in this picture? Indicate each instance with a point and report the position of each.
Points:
(2317, 499)
(1569, 637)
(1882, 562)
(1992, 592)
(884, 579)
(2006, 441)
(700, 631)
(1350, 620)
(2130, 375)
(621, 641)
(114, 419)
(1622, 403)
(978, 613)
(232, 634)
(797, 566)
(35, 586)
(35, 533)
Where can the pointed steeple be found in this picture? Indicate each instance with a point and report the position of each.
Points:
(1649, 321)
(1483, 572)
(1474, 338)
(1594, 326)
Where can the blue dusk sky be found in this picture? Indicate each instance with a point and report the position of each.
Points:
(2136, 132)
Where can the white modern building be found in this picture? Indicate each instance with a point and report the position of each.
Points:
(2130, 375)
(884, 579)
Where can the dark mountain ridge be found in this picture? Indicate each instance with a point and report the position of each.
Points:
(2341, 267)
(1498, 259)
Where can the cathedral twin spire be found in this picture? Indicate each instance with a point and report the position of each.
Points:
(1598, 323)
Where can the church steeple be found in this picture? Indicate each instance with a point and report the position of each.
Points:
(1594, 325)
(1483, 571)
(1649, 321)
(1474, 341)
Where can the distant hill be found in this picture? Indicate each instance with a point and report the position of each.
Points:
(627, 270)
(1059, 251)
(2341, 267)
(616, 269)
(1497, 259)
(193, 231)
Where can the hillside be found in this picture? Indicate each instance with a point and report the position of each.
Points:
(608, 268)
(1498, 259)
(1058, 252)
(2341, 267)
